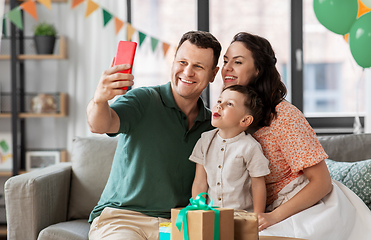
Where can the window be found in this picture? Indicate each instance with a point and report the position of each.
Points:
(322, 92)
(330, 90)
(167, 21)
(332, 79)
(269, 19)
(334, 86)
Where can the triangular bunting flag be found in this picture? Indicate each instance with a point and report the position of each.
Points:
(46, 3)
(30, 8)
(75, 3)
(15, 17)
(118, 25)
(91, 7)
(4, 27)
(142, 36)
(106, 17)
(129, 31)
(346, 37)
(165, 47)
(154, 43)
(362, 9)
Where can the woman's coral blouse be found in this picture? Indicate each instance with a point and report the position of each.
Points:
(290, 144)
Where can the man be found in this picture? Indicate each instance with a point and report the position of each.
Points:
(158, 128)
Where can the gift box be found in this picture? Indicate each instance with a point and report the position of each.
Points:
(201, 224)
(245, 225)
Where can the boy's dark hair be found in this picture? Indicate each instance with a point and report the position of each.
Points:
(203, 40)
(252, 102)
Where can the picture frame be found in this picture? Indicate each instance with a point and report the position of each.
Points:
(40, 159)
(6, 152)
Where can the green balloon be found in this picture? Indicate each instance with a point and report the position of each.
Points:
(337, 16)
(360, 40)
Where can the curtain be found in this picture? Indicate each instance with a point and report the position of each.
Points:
(91, 48)
(2, 5)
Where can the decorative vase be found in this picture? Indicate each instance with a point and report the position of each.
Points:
(44, 44)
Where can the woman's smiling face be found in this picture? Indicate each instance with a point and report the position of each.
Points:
(238, 68)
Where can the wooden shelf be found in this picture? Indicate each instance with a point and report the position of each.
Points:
(3, 231)
(62, 111)
(5, 115)
(62, 53)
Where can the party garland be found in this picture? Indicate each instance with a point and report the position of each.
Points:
(15, 16)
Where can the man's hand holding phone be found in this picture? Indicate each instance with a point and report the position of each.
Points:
(116, 80)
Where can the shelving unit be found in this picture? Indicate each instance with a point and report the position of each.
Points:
(9, 173)
(18, 56)
(18, 98)
(61, 113)
(62, 53)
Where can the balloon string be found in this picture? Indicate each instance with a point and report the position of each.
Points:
(357, 126)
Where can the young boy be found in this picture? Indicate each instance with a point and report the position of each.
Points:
(230, 163)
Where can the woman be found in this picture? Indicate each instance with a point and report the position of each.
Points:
(302, 199)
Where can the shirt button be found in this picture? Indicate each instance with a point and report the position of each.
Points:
(218, 183)
(220, 166)
(222, 149)
(224, 141)
(219, 198)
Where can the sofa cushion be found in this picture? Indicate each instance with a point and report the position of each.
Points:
(356, 176)
(347, 148)
(91, 164)
(71, 230)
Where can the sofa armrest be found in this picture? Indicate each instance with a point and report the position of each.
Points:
(36, 200)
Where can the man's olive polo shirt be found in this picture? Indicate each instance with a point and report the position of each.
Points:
(151, 172)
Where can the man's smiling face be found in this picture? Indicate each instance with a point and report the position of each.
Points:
(192, 71)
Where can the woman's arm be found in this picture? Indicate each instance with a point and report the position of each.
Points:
(200, 181)
(259, 194)
(319, 186)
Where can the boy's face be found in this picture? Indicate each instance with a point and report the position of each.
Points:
(229, 111)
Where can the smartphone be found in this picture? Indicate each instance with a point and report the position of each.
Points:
(125, 55)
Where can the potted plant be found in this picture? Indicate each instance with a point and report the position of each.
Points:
(44, 36)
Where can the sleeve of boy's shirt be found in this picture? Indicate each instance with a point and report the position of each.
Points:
(197, 155)
(258, 164)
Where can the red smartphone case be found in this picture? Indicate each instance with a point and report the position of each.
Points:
(125, 55)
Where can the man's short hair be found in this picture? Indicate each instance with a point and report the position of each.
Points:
(203, 40)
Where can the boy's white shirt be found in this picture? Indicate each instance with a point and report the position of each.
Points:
(239, 158)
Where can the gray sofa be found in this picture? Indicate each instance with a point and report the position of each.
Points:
(55, 202)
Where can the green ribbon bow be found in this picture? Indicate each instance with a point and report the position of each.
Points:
(198, 204)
